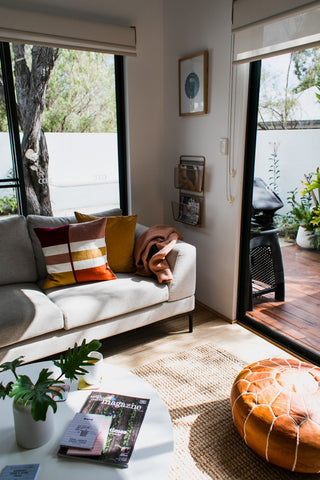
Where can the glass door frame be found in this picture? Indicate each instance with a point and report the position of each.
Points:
(244, 283)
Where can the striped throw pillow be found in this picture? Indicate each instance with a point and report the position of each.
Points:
(75, 253)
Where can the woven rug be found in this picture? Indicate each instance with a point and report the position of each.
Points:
(195, 385)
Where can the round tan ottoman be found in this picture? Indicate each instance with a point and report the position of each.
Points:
(276, 409)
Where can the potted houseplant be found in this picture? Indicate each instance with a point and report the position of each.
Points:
(31, 401)
(306, 212)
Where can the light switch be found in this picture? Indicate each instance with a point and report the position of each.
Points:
(223, 146)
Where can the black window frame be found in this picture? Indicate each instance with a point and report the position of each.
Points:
(17, 181)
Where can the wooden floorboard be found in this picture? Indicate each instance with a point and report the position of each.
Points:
(298, 317)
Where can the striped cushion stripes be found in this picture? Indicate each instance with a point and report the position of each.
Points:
(75, 253)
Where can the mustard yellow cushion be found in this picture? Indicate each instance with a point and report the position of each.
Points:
(119, 240)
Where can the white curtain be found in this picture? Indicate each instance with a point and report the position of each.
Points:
(65, 32)
(261, 31)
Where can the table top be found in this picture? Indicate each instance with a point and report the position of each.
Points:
(152, 454)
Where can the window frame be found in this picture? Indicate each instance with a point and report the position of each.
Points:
(17, 181)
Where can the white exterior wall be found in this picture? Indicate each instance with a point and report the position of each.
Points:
(298, 153)
(83, 170)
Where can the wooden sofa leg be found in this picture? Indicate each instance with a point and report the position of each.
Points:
(190, 322)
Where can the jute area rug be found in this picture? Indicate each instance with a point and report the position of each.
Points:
(195, 385)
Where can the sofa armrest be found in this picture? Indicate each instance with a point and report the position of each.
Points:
(140, 229)
(182, 261)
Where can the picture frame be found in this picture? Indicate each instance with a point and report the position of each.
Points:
(193, 84)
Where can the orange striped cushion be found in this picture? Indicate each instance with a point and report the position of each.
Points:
(75, 253)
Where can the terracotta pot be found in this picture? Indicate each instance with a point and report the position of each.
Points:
(29, 433)
(303, 238)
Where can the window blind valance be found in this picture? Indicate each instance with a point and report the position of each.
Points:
(257, 36)
(57, 31)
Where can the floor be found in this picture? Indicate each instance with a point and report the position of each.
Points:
(298, 316)
(144, 345)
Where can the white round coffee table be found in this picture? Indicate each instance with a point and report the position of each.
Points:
(152, 453)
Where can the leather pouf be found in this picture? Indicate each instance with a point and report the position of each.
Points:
(276, 409)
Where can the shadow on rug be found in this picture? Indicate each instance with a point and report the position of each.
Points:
(195, 385)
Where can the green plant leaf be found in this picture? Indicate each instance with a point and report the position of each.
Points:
(5, 390)
(22, 389)
(12, 365)
(75, 360)
(39, 394)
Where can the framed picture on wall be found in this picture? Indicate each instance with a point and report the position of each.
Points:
(193, 84)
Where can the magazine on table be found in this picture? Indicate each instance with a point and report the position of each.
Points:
(127, 416)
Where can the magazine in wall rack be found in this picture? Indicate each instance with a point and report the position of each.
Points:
(189, 176)
(127, 417)
(190, 208)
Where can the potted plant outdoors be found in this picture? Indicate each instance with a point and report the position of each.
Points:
(31, 401)
(307, 212)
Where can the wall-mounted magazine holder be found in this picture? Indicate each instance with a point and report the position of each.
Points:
(189, 179)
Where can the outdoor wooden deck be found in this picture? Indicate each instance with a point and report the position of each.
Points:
(298, 317)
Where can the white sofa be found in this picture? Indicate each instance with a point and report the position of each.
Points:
(37, 323)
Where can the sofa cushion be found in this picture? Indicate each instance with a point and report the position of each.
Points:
(17, 262)
(88, 303)
(52, 222)
(75, 253)
(119, 240)
(26, 312)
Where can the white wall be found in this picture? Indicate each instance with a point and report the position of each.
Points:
(190, 27)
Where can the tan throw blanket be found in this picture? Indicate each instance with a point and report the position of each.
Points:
(151, 249)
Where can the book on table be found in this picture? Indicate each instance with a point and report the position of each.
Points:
(27, 471)
(125, 414)
(82, 431)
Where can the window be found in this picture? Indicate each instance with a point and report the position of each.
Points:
(71, 126)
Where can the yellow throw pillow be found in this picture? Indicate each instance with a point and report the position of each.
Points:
(119, 240)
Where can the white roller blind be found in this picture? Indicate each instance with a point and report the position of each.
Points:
(53, 30)
(286, 31)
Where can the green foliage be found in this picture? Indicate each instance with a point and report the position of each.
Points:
(74, 361)
(40, 393)
(307, 68)
(8, 205)
(274, 169)
(304, 212)
(278, 91)
(3, 116)
(318, 94)
(287, 226)
(81, 94)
